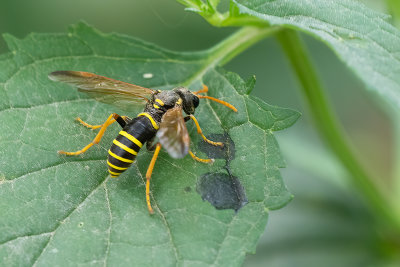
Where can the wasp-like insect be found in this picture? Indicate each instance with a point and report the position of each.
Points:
(161, 118)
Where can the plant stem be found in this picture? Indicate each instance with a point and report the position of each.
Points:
(224, 51)
(230, 47)
(394, 9)
(393, 114)
(330, 129)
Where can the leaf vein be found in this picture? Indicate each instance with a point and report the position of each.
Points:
(45, 168)
(61, 222)
(110, 226)
(24, 236)
(163, 218)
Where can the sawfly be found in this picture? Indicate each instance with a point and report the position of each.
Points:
(162, 120)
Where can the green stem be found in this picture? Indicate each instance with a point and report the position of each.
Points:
(393, 114)
(224, 51)
(394, 10)
(330, 129)
(230, 47)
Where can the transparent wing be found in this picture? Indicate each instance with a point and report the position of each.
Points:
(104, 89)
(173, 134)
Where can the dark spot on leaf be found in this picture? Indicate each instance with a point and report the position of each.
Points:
(188, 189)
(80, 224)
(217, 152)
(223, 191)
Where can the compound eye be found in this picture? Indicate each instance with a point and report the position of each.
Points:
(195, 101)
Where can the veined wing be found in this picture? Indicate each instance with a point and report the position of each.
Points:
(173, 134)
(104, 89)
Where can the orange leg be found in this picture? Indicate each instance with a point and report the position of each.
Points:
(96, 140)
(202, 135)
(211, 161)
(94, 127)
(148, 176)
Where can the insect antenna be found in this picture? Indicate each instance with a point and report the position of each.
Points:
(218, 101)
(205, 90)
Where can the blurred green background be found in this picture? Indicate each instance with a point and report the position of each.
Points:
(326, 222)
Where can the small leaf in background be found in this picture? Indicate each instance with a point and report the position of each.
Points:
(65, 210)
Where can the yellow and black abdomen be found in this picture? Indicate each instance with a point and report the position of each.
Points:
(128, 143)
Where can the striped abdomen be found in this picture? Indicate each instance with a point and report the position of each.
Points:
(128, 143)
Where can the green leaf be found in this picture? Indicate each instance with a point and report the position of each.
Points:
(361, 37)
(66, 211)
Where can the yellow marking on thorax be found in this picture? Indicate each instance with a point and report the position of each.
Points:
(124, 147)
(119, 158)
(179, 101)
(159, 101)
(116, 167)
(155, 106)
(153, 122)
(131, 138)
